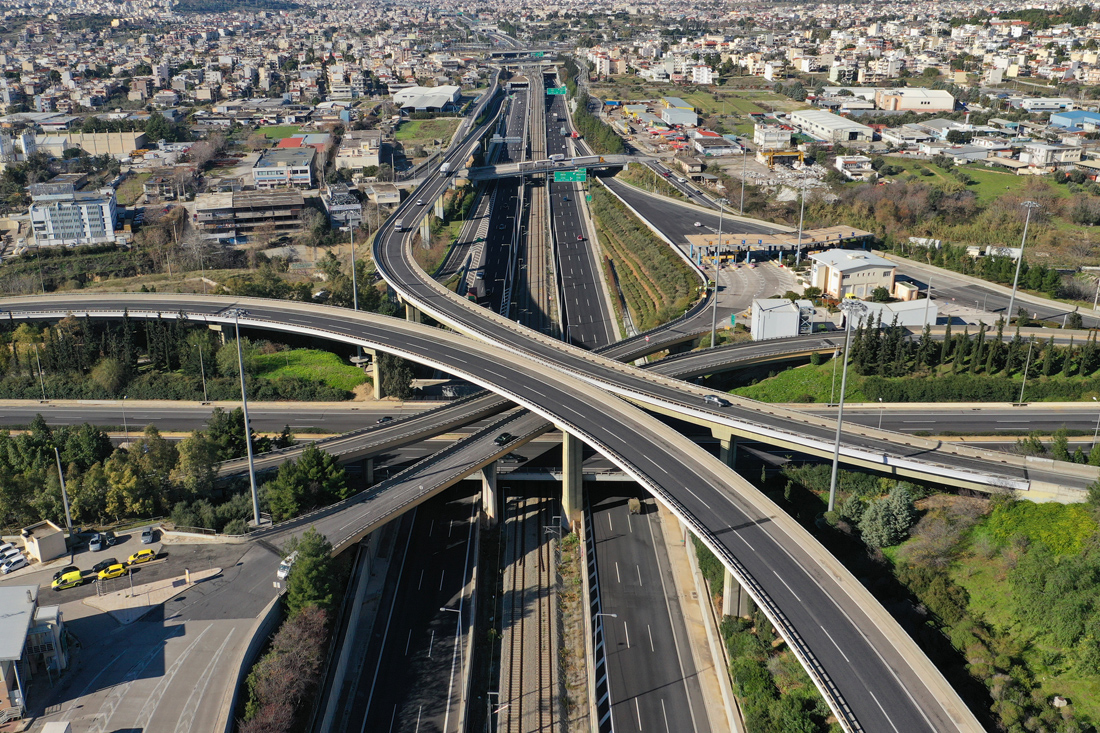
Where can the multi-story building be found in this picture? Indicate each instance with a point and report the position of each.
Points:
(32, 641)
(61, 215)
(341, 205)
(915, 99)
(841, 273)
(243, 215)
(829, 127)
(359, 149)
(292, 167)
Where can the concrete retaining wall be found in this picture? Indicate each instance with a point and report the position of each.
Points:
(265, 625)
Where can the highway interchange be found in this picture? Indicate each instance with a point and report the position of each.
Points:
(822, 611)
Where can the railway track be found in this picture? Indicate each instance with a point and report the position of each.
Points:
(529, 676)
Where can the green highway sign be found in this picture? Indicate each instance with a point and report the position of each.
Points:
(556, 90)
(570, 176)
(537, 54)
(588, 197)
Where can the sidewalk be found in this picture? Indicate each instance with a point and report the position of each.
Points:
(128, 605)
(704, 639)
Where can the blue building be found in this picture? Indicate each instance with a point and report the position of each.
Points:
(1079, 119)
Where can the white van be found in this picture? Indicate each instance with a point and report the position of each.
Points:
(285, 565)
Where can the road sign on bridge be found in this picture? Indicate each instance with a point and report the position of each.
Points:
(571, 176)
(556, 90)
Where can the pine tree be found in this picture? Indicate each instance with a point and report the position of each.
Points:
(945, 351)
(1048, 358)
(978, 359)
(1067, 359)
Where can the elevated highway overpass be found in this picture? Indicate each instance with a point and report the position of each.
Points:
(534, 167)
(802, 588)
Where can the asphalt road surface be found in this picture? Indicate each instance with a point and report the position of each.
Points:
(652, 678)
(418, 647)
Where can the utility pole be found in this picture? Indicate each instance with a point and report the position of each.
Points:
(1030, 206)
(852, 309)
(801, 217)
(237, 313)
(744, 172)
(717, 258)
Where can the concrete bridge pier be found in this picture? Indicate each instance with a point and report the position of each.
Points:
(572, 479)
(425, 232)
(368, 472)
(375, 373)
(735, 600)
(727, 448)
(412, 314)
(438, 207)
(489, 499)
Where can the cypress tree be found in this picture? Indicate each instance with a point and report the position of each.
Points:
(1067, 360)
(945, 351)
(1048, 358)
(977, 359)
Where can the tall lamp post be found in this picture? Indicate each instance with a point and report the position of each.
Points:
(354, 282)
(801, 217)
(237, 313)
(1030, 206)
(717, 252)
(744, 172)
(852, 309)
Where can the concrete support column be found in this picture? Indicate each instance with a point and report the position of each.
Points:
(735, 600)
(217, 327)
(368, 472)
(375, 372)
(412, 314)
(728, 451)
(439, 207)
(572, 479)
(489, 495)
(425, 232)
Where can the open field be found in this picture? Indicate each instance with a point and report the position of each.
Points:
(722, 104)
(427, 130)
(278, 132)
(989, 182)
(131, 189)
(312, 365)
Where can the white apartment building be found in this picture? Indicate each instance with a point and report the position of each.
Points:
(771, 137)
(359, 149)
(61, 215)
(702, 74)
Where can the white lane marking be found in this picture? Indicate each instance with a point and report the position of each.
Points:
(888, 720)
(187, 717)
(609, 526)
(650, 630)
(617, 578)
(420, 583)
(152, 702)
(835, 644)
(639, 567)
(787, 586)
(431, 641)
(626, 632)
(746, 542)
(638, 710)
(408, 641)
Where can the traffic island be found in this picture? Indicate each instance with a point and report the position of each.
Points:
(131, 603)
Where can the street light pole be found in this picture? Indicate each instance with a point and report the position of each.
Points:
(744, 172)
(1027, 365)
(714, 306)
(1095, 432)
(852, 309)
(65, 495)
(1030, 206)
(801, 216)
(880, 413)
(247, 429)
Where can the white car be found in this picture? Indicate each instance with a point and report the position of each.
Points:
(286, 565)
(698, 223)
(13, 564)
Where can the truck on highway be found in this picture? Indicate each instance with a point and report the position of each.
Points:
(445, 169)
(556, 157)
(398, 226)
(587, 160)
(564, 131)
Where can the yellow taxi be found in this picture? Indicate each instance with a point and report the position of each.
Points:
(112, 571)
(141, 556)
(70, 577)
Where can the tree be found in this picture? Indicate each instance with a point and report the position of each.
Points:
(315, 479)
(886, 521)
(396, 376)
(155, 457)
(195, 469)
(310, 582)
(227, 358)
(880, 295)
(129, 493)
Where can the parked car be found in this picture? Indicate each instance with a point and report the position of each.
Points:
(112, 571)
(101, 541)
(65, 570)
(141, 556)
(13, 563)
(147, 536)
(71, 577)
(105, 564)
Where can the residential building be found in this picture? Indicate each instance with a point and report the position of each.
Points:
(383, 193)
(841, 273)
(702, 74)
(856, 167)
(285, 167)
(240, 216)
(1044, 155)
(829, 127)
(61, 215)
(915, 99)
(771, 136)
(342, 207)
(359, 149)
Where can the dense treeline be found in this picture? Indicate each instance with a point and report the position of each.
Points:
(599, 135)
(657, 283)
(81, 358)
(1038, 278)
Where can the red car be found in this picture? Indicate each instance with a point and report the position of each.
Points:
(580, 237)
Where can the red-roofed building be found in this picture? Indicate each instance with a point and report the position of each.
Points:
(290, 142)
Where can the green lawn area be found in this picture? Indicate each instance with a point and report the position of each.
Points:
(131, 189)
(989, 182)
(800, 384)
(723, 104)
(312, 364)
(278, 132)
(442, 128)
